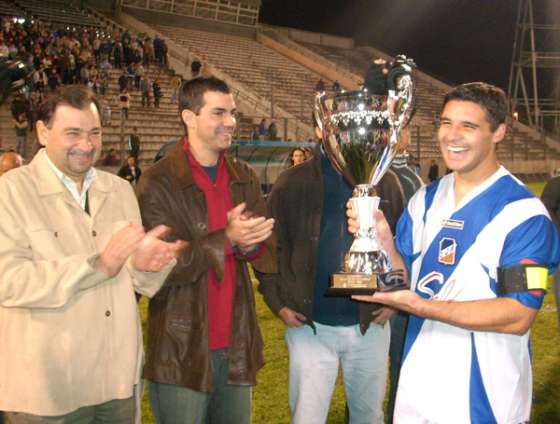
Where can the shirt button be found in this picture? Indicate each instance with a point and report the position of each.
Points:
(201, 226)
(107, 313)
(94, 233)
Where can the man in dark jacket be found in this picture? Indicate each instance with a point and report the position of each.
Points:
(308, 203)
(130, 171)
(433, 173)
(134, 144)
(204, 345)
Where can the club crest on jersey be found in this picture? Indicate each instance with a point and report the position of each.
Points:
(430, 285)
(447, 251)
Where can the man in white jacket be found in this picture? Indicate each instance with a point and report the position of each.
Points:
(72, 255)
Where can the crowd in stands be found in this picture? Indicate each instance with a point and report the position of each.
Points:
(60, 54)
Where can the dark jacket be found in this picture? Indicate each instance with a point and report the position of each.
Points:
(177, 350)
(126, 173)
(296, 204)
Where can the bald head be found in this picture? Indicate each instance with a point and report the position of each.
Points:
(10, 160)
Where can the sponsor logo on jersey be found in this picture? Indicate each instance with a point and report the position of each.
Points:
(447, 251)
(430, 285)
(454, 224)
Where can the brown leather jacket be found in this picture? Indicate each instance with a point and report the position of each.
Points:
(296, 204)
(177, 351)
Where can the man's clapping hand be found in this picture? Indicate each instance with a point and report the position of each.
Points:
(245, 230)
(153, 254)
(149, 252)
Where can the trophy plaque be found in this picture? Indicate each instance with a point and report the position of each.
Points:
(360, 136)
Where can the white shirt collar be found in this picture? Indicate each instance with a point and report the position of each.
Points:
(70, 184)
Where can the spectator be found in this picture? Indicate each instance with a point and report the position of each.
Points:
(376, 77)
(139, 73)
(433, 172)
(84, 75)
(123, 81)
(54, 80)
(130, 171)
(134, 144)
(118, 54)
(148, 52)
(21, 126)
(164, 54)
(111, 158)
(105, 112)
(297, 156)
(320, 86)
(103, 83)
(130, 76)
(157, 93)
(145, 90)
(124, 99)
(18, 106)
(263, 129)
(272, 131)
(336, 86)
(4, 50)
(175, 85)
(255, 133)
(195, 68)
(158, 50)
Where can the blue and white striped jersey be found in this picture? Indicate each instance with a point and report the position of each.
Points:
(452, 252)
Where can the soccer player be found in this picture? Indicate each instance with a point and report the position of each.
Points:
(478, 248)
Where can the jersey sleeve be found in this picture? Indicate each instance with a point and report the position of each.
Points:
(535, 241)
(403, 239)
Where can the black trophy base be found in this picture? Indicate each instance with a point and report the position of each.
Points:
(355, 283)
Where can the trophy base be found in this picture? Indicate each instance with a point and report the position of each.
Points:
(340, 292)
(350, 283)
(356, 283)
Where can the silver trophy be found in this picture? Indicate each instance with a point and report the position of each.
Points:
(360, 136)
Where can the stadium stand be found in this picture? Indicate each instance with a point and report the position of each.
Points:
(263, 64)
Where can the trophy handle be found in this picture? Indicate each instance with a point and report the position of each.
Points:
(323, 121)
(400, 105)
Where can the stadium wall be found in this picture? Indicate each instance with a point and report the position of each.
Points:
(170, 19)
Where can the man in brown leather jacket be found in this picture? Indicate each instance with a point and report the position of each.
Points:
(204, 345)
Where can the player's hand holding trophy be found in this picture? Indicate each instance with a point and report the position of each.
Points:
(360, 136)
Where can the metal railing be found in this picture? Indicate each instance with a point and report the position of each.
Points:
(215, 10)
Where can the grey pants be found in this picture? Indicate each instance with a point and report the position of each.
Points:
(119, 411)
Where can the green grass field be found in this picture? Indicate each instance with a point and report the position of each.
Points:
(270, 397)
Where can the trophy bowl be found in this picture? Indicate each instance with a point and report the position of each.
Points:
(360, 136)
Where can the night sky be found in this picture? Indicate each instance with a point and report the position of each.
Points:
(454, 40)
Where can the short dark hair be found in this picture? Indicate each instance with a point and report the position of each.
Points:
(489, 97)
(76, 96)
(192, 92)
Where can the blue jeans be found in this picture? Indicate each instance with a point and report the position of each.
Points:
(21, 141)
(225, 404)
(314, 361)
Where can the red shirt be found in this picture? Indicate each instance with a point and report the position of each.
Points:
(220, 293)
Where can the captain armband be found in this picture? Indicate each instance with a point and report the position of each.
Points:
(520, 278)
